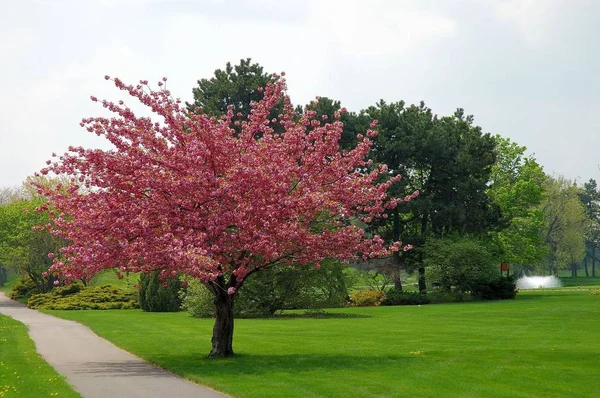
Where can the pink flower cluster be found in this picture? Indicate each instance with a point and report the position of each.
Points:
(184, 192)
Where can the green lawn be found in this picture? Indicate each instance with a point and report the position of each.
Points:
(580, 281)
(108, 277)
(23, 373)
(541, 344)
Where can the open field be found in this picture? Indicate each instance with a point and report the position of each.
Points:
(541, 344)
(23, 373)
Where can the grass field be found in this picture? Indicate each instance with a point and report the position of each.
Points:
(542, 344)
(108, 277)
(23, 373)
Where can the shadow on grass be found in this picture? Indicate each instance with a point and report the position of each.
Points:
(198, 366)
(121, 369)
(284, 316)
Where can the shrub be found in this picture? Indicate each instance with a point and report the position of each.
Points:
(500, 288)
(159, 295)
(440, 297)
(276, 289)
(595, 292)
(397, 297)
(367, 298)
(459, 265)
(77, 297)
(197, 300)
(292, 287)
(23, 289)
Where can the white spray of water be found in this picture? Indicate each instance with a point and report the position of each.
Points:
(536, 282)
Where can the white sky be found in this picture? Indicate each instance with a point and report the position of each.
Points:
(527, 69)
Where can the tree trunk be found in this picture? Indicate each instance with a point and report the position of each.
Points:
(222, 339)
(574, 269)
(397, 261)
(585, 264)
(594, 260)
(422, 284)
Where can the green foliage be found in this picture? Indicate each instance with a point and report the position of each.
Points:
(459, 264)
(22, 248)
(23, 372)
(517, 188)
(565, 219)
(442, 297)
(448, 160)
(397, 297)
(77, 297)
(500, 288)
(292, 287)
(237, 86)
(595, 292)
(197, 300)
(367, 298)
(159, 295)
(3, 275)
(23, 289)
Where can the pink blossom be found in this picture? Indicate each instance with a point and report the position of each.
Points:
(56, 283)
(50, 255)
(231, 291)
(210, 201)
(407, 248)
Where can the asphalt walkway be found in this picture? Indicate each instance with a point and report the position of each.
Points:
(95, 367)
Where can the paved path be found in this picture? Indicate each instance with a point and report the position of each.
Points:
(95, 367)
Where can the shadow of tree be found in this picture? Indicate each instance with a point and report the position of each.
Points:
(198, 364)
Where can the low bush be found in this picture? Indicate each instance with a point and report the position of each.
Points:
(500, 288)
(595, 292)
(159, 295)
(397, 297)
(23, 289)
(77, 297)
(441, 297)
(367, 298)
(197, 300)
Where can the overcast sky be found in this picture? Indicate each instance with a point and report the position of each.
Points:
(526, 69)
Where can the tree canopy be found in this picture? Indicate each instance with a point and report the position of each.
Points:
(193, 195)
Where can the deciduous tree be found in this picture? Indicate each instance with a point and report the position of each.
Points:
(188, 193)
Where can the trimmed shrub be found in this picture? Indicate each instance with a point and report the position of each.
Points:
(23, 289)
(77, 297)
(459, 265)
(501, 288)
(197, 300)
(159, 295)
(396, 297)
(595, 292)
(366, 298)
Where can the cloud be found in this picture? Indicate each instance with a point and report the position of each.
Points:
(532, 18)
(377, 27)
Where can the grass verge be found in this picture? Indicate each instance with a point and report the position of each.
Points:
(537, 345)
(23, 372)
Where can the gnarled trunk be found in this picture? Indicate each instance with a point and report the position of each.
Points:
(222, 339)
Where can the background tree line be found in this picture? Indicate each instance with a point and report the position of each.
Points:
(473, 187)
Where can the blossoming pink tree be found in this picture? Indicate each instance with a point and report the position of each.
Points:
(185, 193)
